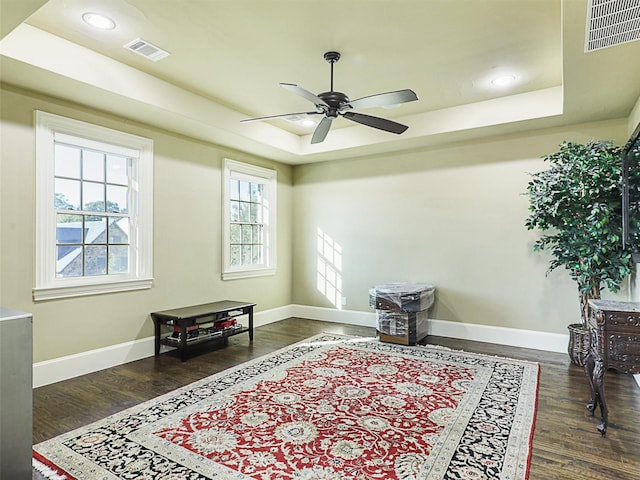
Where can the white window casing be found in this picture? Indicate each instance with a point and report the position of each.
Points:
(268, 179)
(52, 128)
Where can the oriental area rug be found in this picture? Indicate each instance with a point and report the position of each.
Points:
(328, 408)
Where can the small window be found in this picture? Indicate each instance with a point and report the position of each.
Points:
(93, 207)
(249, 216)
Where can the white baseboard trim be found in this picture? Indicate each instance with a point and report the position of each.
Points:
(545, 341)
(70, 366)
(550, 342)
(63, 368)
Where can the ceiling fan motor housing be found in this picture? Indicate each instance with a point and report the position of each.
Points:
(337, 102)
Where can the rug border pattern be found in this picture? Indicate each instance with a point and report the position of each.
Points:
(517, 443)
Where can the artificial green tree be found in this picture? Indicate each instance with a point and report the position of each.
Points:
(577, 203)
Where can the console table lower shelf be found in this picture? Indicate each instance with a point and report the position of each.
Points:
(197, 324)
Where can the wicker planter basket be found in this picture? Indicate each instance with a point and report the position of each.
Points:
(578, 344)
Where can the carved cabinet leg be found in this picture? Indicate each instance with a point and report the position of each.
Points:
(588, 370)
(598, 385)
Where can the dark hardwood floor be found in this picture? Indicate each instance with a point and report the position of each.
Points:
(566, 444)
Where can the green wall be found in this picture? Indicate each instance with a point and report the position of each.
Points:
(450, 216)
(187, 233)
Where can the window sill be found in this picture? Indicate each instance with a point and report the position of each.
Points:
(55, 293)
(234, 275)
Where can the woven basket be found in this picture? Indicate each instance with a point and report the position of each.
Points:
(578, 344)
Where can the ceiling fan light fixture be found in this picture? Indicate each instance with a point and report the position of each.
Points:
(98, 20)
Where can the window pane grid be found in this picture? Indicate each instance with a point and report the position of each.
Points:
(92, 212)
(246, 238)
(249, 220)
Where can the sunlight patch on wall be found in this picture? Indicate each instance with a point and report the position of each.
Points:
(329, 277)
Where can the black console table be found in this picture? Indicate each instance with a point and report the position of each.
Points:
(200, 323)
(614, 342)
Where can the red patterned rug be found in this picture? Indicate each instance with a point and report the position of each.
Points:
(331, 407)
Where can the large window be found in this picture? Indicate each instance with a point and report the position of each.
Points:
(249, 216)
(94, 209)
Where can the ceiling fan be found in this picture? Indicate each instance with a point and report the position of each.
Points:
(332, 103)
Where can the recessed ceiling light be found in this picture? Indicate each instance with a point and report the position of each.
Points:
(99, 21)
(307, 122)
(503, 80)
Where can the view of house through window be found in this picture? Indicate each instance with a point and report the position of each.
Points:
(92, 212)
(94, 209)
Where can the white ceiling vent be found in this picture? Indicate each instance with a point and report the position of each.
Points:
(146, 49)
(611, 22)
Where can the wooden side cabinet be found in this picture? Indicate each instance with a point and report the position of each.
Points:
(614, 343)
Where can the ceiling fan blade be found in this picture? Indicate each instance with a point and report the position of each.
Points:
(271, 117)
(304, 93)
(321, 130)
(384, 99)
(375, 122)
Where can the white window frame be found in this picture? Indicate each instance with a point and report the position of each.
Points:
(255, 174)
(50, 128)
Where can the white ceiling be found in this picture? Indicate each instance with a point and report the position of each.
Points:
(228, 57)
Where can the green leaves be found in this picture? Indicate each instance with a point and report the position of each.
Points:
(577, 203)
